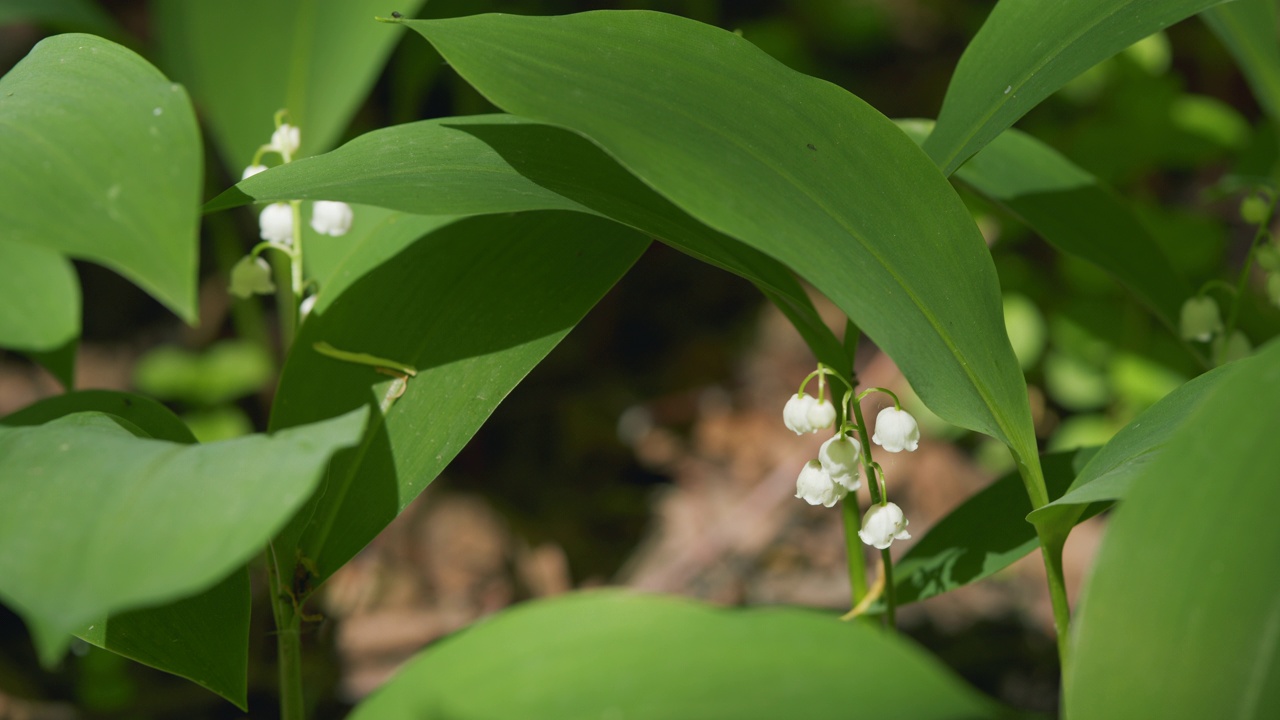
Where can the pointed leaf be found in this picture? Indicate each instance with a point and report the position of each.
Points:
(103, 162)
(617, 654)
(1249, 30)
(473, 306)
(82, 500)
(243, 60)
(1025, 51)
(1181, 617)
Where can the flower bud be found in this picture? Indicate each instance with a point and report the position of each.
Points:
(331, 218)
(816, 487)
(1237, 347)
(275, 223)
(1200, 319)
(840, 457)
(882, 525)
(1254, 209)
(251, 276)
(252, 170)
(286, 139)
(896, 431)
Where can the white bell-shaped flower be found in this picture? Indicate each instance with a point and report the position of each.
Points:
(252, 170)
(896, 430)
(882, 525)
(251, 276)
(816, 487)
(286, 139)
(1200, 319)
(331, 218)
(840, 457)
(275, 223)
(822, 415)
(795, 414)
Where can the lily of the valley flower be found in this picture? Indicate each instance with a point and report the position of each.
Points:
(251, 276)
(804, 413)
(839, 457)
(882, 525)
(816, 487)
(896, 430)
(252, 170)
(1200, 319)
(331, 218)
(285, 140)
(275, 223)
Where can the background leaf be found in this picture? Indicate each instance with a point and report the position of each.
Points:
(151, 417)
(243, 60)
(81, 500)
(788, 164)
(1248, 29)
(84, 15)
(473, 306)
(1198, 533)
(39, 299)
(617, 654)
(103, 162)
(1025, 51)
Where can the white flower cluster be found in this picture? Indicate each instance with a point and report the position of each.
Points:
(836, 471)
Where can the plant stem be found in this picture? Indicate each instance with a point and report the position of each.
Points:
(853, 547)
(873, 486)
(889, 619)
(1051, 550)
(288, 644)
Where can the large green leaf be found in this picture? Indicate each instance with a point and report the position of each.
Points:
(1111, 472)
(499, 163)
(94, 520)
(39, 298)
(1025, 51)
(204, 637)
(786, 163)
(473, 306)
(1074, 211)
(981, 537)
(1181, 617)
(613, 654)
(1248, 28)
(245, 59)
(102, 162)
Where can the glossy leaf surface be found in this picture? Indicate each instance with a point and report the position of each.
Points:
(791, 165)
(103, 162)
(473, 306)
(82, 500)
(1198, 533)
(617, 654)
(1027, 50)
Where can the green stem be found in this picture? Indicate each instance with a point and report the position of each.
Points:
(288, 644)
(1051, 550)
(889, 619)
(873, 486)
(852, 515)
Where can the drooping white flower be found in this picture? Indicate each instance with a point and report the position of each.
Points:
(331, 218)
(1200, 319)
(252, 170)
(1237, 347)
(882, 525)
(286, 139)
(251, 276)
(275, 223)
(840, 458)
(804, 413)
(896, 430)
(816, 487)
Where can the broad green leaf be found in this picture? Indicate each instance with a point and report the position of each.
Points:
(376, 235)
(103, 162)
(39, 298)
(83, 500)
(154, 419)
(1025, 51)
(981, 537)
(499, 163)
(205, 637)
(1073, 211)
(785, 163)
(608, 653)
(1126, 456)
(1249, 30)
(1180, 617)
(473, 306)
(244, 60)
